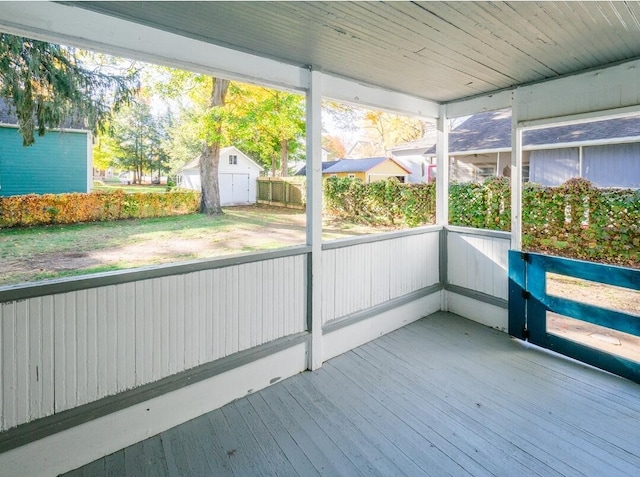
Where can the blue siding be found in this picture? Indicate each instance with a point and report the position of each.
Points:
(55, 164)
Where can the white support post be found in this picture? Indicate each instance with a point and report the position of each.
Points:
(442, 195)
(442, 169)
(314, 216)
(516, 177)
(580, 158)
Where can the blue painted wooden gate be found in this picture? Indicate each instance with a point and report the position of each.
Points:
(529, 303)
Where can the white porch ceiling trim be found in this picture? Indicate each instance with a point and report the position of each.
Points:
(585, 95)
(603, 92)
(595, 95)
(351, 92)
(72, 26)
(480, 104)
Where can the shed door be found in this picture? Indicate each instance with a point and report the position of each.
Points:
(234, 189)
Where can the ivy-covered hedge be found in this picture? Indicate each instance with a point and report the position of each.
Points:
(482, 206)
(581, 221)
(34, 209)
(381, 203)
(574, 220)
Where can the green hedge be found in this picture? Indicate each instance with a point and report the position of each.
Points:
(581, 221)
(34, 209)
(381, 203)
(574, 220)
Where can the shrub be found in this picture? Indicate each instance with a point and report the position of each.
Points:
(575, 219)
(34, 209)
(384, 202)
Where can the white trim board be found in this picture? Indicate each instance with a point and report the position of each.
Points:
(478, 311)
(92, 440)
(349, 337)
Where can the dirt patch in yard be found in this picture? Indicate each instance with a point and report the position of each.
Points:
(241, 229)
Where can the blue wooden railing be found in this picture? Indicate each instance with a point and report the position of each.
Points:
(529, 303)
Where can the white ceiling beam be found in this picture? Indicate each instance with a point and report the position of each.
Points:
(480, 104)
(597, 94)
(74, 26)
(351, 92)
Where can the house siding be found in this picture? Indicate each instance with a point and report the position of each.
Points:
(389, 168)
(358, 175)
(57, 163)
(554, 166)
(613, 165)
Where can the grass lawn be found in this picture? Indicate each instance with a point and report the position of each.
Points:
(111, 186)
(37, 253)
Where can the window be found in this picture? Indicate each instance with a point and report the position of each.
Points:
(525, 173)
(233, 159)
(352, 176)
(484, 173)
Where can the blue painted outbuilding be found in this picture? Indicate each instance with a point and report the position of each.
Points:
(58, 162)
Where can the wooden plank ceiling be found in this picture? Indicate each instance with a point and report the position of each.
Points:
(440, 51)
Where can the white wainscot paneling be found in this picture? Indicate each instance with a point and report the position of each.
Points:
(357, 277)
(478, 263)
(58, 352)
(26, 361)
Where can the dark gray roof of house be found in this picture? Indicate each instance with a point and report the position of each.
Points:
(492, 130)
(352, 165)
(360, 165)
(355, 165)
(7, 113)
(325, 166)
(8, 116)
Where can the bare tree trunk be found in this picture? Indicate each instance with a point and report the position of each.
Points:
(284, 158)
(274, 166)
(210, 157)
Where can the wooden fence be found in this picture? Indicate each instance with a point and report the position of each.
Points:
(282, 191)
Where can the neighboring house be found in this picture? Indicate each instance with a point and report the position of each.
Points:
(369, 169)
(606, 153)
(412, 156)
(58, 162)
(237, 175)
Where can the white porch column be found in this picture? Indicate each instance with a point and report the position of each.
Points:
(314, 216)
(442, 169)
(516, 176)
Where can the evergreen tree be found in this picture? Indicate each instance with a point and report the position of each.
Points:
(48, 85)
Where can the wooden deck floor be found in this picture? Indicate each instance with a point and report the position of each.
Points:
(443, 396)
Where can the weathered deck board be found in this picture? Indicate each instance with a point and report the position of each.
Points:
(442, 396)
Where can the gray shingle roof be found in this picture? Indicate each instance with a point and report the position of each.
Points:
(355, 165)
(325, 166)
(351, 165)
(492, 130)
(8, 116)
